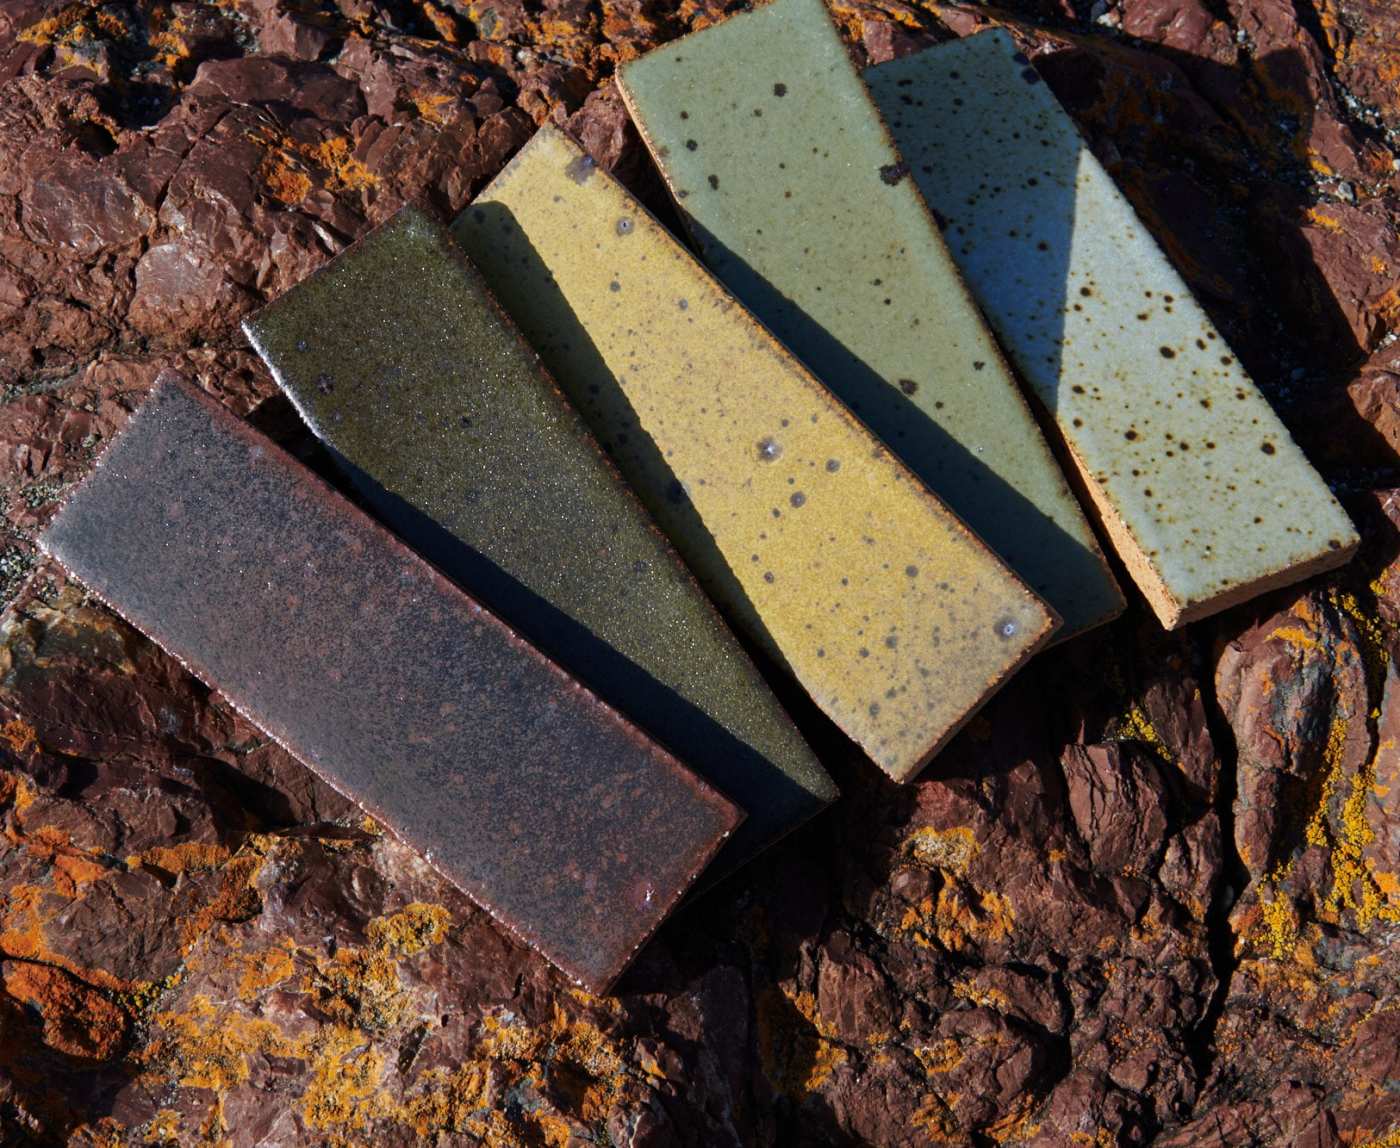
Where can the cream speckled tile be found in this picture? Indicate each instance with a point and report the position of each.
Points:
(1199, 486)
(800, 205)
(894, 617)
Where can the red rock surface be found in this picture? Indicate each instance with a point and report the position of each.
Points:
(1152, 895)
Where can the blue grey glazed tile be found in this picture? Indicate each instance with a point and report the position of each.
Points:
(1198, 484)
(799, 203)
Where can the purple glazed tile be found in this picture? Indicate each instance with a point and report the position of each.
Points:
(565, 822)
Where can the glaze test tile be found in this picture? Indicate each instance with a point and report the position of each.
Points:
(800, 205)
(893, 616)
(402, 364)
(565, 822)
(1199, 486)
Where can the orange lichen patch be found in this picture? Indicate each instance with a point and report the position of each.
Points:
(1099, 1138)
(443, 23)
(188, 857)
(951, 850)
(451, 1101)
(283, 178)
(208, 1046)
(1016, 1126)
(941, 1056)
(1390, 1139)
(237, 897)
(16, 791)
(934, 1117)
(432, 105)
(988, 997)
(25, 911)
(19, 735)
(344, 1092)
(264, 969)
(345, 172)
(78, 1019)
(795, 1046)
(1319, 218)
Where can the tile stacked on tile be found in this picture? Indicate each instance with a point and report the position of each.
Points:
(799, 203)
(1198, 484)
(892, 615)
(542, 803)
(403, 365)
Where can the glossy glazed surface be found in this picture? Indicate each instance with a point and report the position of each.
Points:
(894, 617)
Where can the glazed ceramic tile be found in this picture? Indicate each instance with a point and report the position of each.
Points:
(1199, 486)
(401, 362)
(895, 618)
(564, 821)
(786, 177)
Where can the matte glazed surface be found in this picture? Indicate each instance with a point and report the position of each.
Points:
(556, 815)
(895, 618)
(1200, 486)
(801, 206)
(399, 359)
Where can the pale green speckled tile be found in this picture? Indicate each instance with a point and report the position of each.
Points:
(799, 203)
(1199, 486)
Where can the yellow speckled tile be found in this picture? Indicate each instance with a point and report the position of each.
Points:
(893, 615)
(1197, 482)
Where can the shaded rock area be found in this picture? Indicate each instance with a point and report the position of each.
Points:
(1150, 895)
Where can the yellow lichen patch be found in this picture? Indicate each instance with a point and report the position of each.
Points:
(19, 735)
(795, 1046)
(1137, 726)
(449, 1101)
(432, 105)
(1099, 1138)
(987, 997)
(361, 986)
(893, 616)
(164, 1126)
(1016, 1126)
(208, 1046)
(344, 1093)
(78, 1019)
(1279, 917)
(951, 850)
(963, 917)
(412, 929)
(1319, 218)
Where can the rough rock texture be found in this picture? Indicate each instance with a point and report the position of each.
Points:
(1151, 895)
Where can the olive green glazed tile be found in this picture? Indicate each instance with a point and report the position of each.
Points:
(453, 433)
(895, 618)
(799, 203)
(1199, 487)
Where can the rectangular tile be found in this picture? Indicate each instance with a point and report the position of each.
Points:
(891, 614)
(404, 366)
(787, 179)
(1199, 486)
(561, 819)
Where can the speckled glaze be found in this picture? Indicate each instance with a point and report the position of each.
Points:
(894, 617)
(402, 363)
(802, 207)
(1199, 486)
(561, 819)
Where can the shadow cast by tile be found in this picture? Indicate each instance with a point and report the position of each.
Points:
(735, 768)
